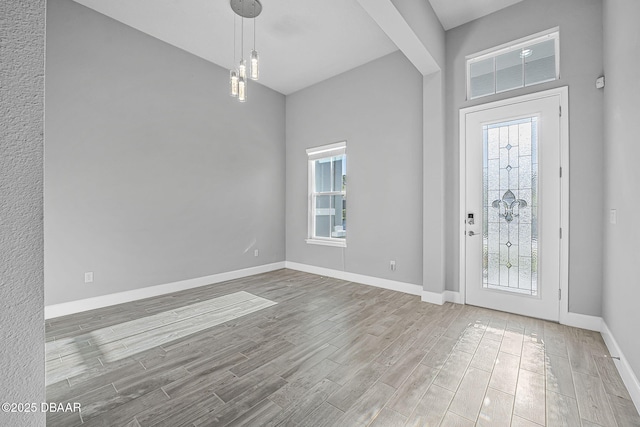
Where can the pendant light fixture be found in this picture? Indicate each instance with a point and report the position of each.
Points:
(242, 69)
(233, 73)
(238, 76)
(254, 53)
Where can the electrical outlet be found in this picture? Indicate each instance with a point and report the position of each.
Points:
(392, 265)
(88, 277)
(256, 252)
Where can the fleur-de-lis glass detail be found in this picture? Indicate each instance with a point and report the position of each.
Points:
(507, 204)
(510, 203)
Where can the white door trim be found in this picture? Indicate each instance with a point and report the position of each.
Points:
(564, 200)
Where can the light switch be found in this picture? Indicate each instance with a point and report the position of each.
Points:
(613, 216)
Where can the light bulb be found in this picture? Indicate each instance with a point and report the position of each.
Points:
(233, 82)
(243, 69)
(254, 65)
(242, 89)
(526, 53)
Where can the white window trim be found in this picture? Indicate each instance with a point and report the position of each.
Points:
(330, 150)
(552, 33)
(339, 243)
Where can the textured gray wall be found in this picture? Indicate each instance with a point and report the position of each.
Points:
(154, 173)
(377, 109)
(580, 23)
(622, 126)
(21, 232)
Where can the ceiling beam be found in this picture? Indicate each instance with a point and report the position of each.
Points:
(391, 21)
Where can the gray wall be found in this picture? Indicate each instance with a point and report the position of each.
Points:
(580, 23)
(153, 173)
(377, 109)
(433, 166)
(424, 22)
(622, 127)
(21, 231)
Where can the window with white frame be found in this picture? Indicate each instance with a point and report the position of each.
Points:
(525, 62)
(328, 194)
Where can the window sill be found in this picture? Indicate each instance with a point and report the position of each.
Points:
(327, 242)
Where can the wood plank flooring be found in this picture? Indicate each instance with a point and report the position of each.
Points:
(126, 339)
(324, 352)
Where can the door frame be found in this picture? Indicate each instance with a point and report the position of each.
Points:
(563, 93)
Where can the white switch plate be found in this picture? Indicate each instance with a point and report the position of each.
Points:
(392, 265)
(88, 277)
(613, 216)
(256, 252)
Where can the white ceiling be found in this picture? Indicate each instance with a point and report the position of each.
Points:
(453, 13)
(301, 42)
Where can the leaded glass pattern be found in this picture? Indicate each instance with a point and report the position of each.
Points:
(510, 204)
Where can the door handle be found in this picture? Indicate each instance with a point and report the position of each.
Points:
(473, 233)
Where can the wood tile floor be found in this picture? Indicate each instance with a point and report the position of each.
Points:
(327, 353)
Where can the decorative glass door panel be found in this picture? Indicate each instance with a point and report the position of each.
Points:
(512, 205)
(510, 217)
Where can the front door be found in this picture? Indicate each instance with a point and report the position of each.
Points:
(512, 206)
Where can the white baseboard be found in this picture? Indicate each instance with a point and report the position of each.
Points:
(583, 321)
(433, 297)
(63, 309)
(441, 298)
(407, 288)
(453, 296)
(628, 376)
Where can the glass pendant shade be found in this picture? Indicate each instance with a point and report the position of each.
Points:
(242, 69)
(242, 89)
(233, 82)
(254, 65)
(240, 75)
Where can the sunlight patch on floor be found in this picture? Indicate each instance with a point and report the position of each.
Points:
(72, 356)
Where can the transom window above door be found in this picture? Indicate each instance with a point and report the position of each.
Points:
(525, 62)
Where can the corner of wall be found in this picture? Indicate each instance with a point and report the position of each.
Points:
(21, 225)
